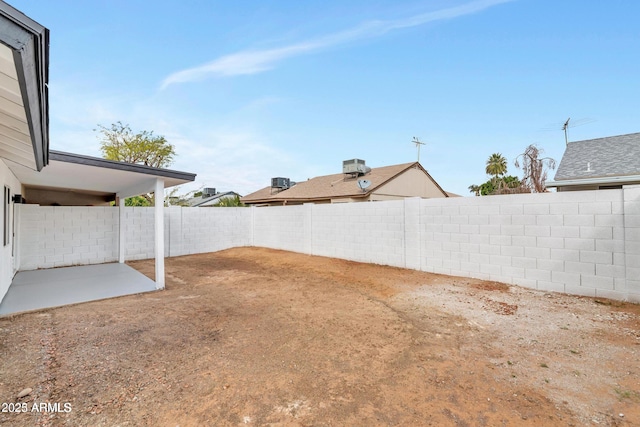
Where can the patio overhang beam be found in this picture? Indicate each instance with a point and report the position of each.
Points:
(143, 187)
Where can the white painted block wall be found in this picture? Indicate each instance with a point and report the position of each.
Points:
(56, 236)
(366, 232)
(583, 243)
(280, 227)
(200, 230)
(571, 242)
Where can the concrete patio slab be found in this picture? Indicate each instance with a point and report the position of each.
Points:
(37, 289)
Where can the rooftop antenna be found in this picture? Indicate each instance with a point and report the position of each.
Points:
(565, 128)
(416, 141)
(571, 124)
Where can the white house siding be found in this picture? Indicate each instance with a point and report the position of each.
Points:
(583, 243)
(7, 265)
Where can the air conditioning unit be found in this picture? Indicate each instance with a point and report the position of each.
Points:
(208, 192)
(355, 167)
(281, 183)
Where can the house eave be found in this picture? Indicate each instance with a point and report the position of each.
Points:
(29, 42)
(111, 164)
(608, 180)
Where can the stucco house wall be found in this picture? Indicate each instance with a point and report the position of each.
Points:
(8, 262)
(411, 183)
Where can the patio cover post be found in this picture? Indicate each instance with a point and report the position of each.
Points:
(159, 232)
(121, 234)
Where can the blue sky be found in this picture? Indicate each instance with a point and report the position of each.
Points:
(249, 90)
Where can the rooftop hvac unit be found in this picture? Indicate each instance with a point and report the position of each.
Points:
(282, 183)
(208, 192)
(355, 167)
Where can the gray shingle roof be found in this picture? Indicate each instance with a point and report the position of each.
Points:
(601, 157)
(211, 200)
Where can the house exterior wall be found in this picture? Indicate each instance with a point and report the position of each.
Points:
(8, 265)
(583, 243)
(411, 183)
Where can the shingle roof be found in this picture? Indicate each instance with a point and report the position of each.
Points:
(333, 186)
(207, 201)
(601, 157)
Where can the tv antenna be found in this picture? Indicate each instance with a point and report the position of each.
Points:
(566, 125)
(564, 128)
(571, 124)
(416, 141)
(364, 184)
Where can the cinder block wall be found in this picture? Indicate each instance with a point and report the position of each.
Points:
(61, 236)
(139, 232)
(280, 227)
(64, 235)
(583, 243)
(571, 242)
(200, 230)
(367, 232)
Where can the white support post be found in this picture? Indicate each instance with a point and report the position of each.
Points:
(159, 232)
(121, 234)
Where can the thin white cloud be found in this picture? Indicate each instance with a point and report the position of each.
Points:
(256, 61)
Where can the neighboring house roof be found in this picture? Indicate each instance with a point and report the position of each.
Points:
(211, 200)
(601, 157)
(24, 94)
(610, 160)
(334, 186)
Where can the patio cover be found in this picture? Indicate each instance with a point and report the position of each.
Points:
(75, 172)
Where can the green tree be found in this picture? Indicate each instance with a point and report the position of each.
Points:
(137, 201)
(496, 165)
(504, 185)
(121, 144)
(173, 198)
(475, 189)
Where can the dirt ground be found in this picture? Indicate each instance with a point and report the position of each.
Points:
(254, 336)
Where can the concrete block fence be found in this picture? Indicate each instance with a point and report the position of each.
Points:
(68, 235)
(583, 243)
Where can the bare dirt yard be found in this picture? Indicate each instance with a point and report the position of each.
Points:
(254, 336)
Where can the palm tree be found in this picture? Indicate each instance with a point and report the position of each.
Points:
(475, 189)
(496, 165)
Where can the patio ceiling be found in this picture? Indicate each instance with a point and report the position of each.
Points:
(74, 172)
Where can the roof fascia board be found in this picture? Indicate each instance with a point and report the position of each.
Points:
(111, 164)
(589, 181)
(29, 42)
